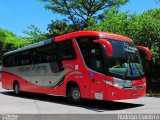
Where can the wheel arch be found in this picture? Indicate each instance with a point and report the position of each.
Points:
(70, 84)
(14, 82)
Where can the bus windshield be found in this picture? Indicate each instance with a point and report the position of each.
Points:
(125, 61)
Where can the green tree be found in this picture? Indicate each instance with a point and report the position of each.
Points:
(144, 29)
(34, 34)
(59, 27)
(79, 11)
(148, 29)
(9, 41)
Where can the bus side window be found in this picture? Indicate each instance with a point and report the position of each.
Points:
(50, 53)
(33, 54)
(44, 54)
(66, 50)
(6, 61)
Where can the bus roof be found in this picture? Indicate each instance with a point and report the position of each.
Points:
(38, 44)
(92, 33)
(73, 35)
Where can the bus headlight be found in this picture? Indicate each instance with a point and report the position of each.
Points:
(108, 82)
(128, 83)
(117, 85)
(120, 83)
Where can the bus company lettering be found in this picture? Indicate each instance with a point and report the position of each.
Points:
(129, 48)
(31, 68)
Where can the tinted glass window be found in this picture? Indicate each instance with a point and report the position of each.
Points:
(92, 53)
(5, 61)
(66, 50)
(49, 53)
(125, 61)
(43, 54)
(37, 55)
(10, 60)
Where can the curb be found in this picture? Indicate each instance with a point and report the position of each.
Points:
(152, 95)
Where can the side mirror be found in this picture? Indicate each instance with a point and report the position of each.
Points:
(148, 52)
(107, 44)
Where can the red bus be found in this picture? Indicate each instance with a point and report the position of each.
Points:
(82, 64)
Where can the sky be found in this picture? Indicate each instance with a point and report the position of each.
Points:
(17, 15)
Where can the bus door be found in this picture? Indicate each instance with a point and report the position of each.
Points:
(97, 75)
(94, 73)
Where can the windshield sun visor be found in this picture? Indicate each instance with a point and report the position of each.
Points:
(148, 52)
(107, 44)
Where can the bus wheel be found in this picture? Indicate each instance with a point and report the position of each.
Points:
(74, 94)
(16, 88)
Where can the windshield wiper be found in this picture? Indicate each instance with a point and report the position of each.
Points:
(137, 68)
(128, 63)
(132, 69)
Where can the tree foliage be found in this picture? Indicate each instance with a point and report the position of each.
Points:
(9, 41)
(148, 28)
(79, 11)
(59, 27)
(34, 34)
(144, 29)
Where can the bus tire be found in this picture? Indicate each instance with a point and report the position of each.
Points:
(74, 94)
(16, 89)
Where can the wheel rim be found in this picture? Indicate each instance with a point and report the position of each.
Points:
(75, 94)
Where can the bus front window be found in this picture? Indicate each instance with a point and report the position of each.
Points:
(125, 61)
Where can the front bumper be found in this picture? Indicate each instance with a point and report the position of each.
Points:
(114, 93)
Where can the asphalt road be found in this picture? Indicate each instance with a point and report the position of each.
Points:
(46, 104)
